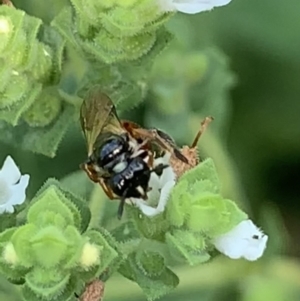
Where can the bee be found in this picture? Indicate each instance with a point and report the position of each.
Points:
(120, 153)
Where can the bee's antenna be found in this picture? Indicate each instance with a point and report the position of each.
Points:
(202, 129)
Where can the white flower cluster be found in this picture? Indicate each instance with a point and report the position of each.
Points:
(12, 186)
(190, 6)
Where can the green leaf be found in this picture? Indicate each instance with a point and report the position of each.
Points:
(45, 109)
(8, 220)
(206, 212)
(47, 283)
(57, 44)
(110, 49)
(178, 204)
(121, 254)
(126, 231)
(51, 199)
(66, 295)
(12, 114)
(75, 203)
(6, 234)
(127, 95)
(163, 39)
(81, 206)
(205, 170)
(150, 227)
(124, 21)
(62, 24)
(151, 263)
(234, 215)
(14, 20)
(75, 244)
(190, 250)
(21, 242)
(14, 273)
(153, 287)
(49, 246)
(39, 140)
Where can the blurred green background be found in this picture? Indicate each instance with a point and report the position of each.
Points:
(249, 52)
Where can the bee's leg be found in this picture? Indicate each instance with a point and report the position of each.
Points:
(163, 140)
(202, 129)
(92, 175)
(151, 158)
(108, 191)
(148, 157)
(122, 204)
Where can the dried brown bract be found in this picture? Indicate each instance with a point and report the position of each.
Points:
(190, 152)
(8, 3)
(93, 291)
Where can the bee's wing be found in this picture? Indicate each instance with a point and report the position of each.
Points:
(97, 115)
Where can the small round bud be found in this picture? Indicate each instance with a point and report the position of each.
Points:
(9, 254)
(5, 25)
(90, 255)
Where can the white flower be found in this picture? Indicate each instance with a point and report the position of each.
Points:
(161, 187)
(243, 241)
(12, 186)
(190, 6)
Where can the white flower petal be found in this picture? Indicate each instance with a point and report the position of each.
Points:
(19, 189)
(221, 2)
(164, 195)
(190, 6)
(150, 211)
(243, 241)
(167, 175)
(154, 181)
(255, 251)
(6, 208)
(162, 160)
(146, 209)
(10, 171)
(12, 186)
(193, 8)
(153, 197)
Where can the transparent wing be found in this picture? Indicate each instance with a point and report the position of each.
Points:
(98, 115)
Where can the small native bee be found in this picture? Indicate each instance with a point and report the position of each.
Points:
(120, 153)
